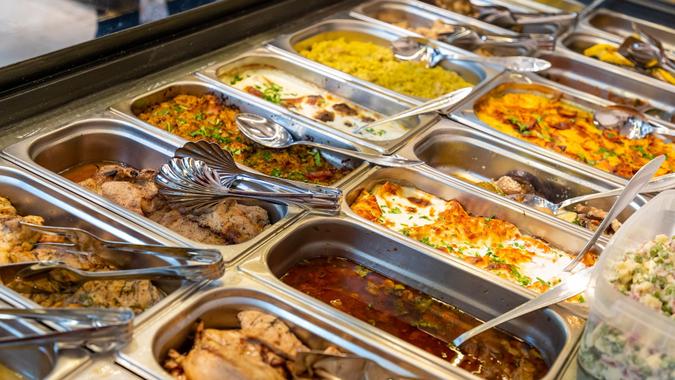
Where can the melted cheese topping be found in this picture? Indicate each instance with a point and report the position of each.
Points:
(563, 128)
(486, 242)
(306, 99)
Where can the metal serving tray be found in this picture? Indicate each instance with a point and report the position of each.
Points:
(130, 108)
(575, 43)
(470, 156)
(530, 7)
(323, 79)
(107, 139)
(606, 22)
(218, 306)
(476, 201)
(34, 196)
(472, 72)
(610, 85)
(419, 14)
(553, 331)
(464, 113)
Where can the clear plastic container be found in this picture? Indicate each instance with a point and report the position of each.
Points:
(623, 338)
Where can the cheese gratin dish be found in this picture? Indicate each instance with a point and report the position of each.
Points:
(489, 243)
(547, 121)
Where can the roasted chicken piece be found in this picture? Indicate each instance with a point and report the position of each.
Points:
(228, 223)
(264, 347)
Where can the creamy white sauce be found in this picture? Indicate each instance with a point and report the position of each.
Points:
(292, 87)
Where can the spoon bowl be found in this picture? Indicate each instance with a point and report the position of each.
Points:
(629, 122)
(272, 135)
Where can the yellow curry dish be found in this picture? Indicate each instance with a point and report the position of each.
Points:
(375, 63)
(545, 120)
(486, 242)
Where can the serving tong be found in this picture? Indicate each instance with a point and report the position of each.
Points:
(142, 261)
(471, 38)
(103, 330)
(506, 18)
(201, 175)
(646, 52)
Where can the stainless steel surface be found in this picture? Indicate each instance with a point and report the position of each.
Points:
(576, 42)
(420, 15)
(613, 23)
(110, 139)
(270, 134)
(421, 50)
(464, 113)
(441, 103)
(359, 30)
(475, 201)
(633, 188)
(384, 104)
(33, 196)
(552, 331)
(457, 153)
(132, 106)
(106, 330)
(631, 123)
(102, 368)
(569, 287)
(609, 84)
(218, 306)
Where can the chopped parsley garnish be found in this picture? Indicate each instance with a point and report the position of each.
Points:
(522, 128)
(276, 172)
(266, 155)
(396, 210)
(522, 279)
(317, 157)
(643, 152)
(236, 79)
(272, 93)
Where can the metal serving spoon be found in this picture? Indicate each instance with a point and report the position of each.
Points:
(504, 17)
(661, 51)
(654, 186)
(629, 122)
(442, 102)
(644, 55)
(272, 135)
(577, 282)
(570, 287)
(471, 38)
(420, 49)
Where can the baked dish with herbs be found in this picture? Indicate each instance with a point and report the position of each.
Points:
(207, 117)
(538, 115)
(484, 241)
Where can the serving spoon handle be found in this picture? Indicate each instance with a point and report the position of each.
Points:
(389, 161)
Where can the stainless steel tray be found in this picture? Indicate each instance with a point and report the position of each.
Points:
(476, 201)
(108, 139)
(464, 114)
(524, 6)
(218, 306)
(575, 43)
(419, 14)
(608, 84)
(130, 107)
(609, 23)
(361, 96)
(454, 151)
(34, 196)
(474, 73)
(553, 331)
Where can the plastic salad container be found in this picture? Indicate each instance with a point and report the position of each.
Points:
(624, 338)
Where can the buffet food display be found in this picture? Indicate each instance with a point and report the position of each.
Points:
(414, 256)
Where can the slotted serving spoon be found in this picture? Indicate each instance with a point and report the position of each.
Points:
(578, 282)
(272, 135)
(629, 122)
(654, 186)
(421, 50)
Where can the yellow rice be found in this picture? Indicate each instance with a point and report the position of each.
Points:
(377, 64)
